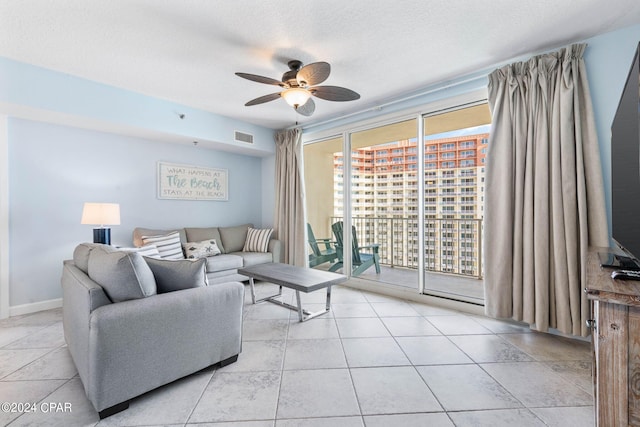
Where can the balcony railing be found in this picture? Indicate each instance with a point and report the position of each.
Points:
(398, 242)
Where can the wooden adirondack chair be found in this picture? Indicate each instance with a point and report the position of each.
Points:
(360, 260)
(320, 256)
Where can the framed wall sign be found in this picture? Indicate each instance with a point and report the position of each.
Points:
(186, 182)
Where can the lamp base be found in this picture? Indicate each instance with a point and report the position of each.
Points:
(102, 235)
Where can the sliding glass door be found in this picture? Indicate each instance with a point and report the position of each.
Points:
(384, 201)
(415, 204)
(324, 179)
(455, 145)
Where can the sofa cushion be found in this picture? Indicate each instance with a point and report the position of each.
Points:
(223, 262)
(200, 234)
(211, 276)
(257, 240)
(233, 238)
(139, 232)
(168, 245)
(202, 249)
(253, 258)
(177, 274)
(81, 254)
(123, 275)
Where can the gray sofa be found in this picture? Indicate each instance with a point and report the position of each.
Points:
(224, 267)
(126, 338)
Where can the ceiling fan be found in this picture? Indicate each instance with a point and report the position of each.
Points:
(299, 83)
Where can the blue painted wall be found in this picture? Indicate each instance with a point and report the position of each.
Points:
(608, 59)
(54, 169)
(47, 90)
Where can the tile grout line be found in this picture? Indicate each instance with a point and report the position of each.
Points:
(346, 361)
(284, 356)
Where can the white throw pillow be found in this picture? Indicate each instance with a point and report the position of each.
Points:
(168, 245)
(201, 249)
(257, 240)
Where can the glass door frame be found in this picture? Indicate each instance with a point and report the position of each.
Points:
(419, 114)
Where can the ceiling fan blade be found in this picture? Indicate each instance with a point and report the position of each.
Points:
(261, 79)
(307, 109)
(313, 74)
(334, 93)
(263, 99)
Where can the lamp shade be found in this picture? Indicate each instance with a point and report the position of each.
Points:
(296, 97)
(101, 214)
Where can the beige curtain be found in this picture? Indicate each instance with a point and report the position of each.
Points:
(544, 197)
(289, 205)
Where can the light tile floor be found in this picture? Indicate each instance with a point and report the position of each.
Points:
(373, 361)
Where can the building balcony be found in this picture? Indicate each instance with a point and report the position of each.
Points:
(398, 240)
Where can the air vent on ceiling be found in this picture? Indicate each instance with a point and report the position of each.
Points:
(243, 137)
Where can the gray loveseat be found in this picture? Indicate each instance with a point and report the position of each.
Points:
(231, 240)
(127, 338)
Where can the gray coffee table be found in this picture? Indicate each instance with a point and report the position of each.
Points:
(296, 278)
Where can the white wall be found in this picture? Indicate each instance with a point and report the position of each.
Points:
(54, 169)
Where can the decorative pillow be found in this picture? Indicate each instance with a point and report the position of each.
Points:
(149, 251)
(168, 245)
(201, 249)
(123, 275)
(138, 232)
(257, 240)
(195, 234)
(174, 275)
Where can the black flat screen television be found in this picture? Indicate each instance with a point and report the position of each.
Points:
(625, 170)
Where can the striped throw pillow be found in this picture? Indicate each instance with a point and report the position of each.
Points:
(257, 240)
(149, 251)
(168, 245)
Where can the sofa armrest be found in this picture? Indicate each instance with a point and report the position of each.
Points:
(275, 247)
(138, 345)
(80, 296)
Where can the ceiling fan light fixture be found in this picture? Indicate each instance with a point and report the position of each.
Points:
(296, 96)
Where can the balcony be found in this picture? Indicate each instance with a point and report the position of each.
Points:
(398, 241)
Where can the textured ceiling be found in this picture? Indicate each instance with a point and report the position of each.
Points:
(188, 50)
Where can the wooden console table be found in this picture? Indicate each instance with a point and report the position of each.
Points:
(616, 344)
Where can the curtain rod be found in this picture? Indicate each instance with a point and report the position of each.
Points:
(392, 102)
(470, 77)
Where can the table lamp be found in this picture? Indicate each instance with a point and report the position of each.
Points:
(101, 214)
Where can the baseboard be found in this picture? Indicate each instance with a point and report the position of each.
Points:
(18, 310)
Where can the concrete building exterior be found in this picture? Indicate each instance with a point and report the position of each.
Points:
(384, 197)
